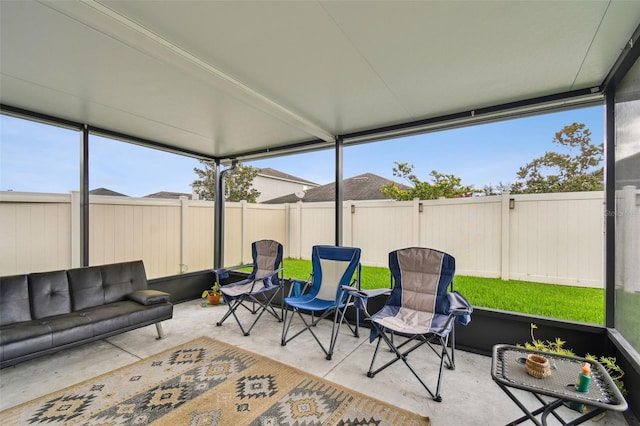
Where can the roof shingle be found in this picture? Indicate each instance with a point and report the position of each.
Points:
(362, 187)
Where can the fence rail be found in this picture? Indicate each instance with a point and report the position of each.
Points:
(549, 238)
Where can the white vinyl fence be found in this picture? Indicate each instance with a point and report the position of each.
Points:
(550, 238)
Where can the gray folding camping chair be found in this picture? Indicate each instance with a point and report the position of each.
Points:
(257, 292)
(421, 310)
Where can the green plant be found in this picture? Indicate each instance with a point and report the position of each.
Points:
(214, 290)
(557, 346)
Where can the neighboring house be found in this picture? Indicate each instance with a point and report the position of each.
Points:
(363, 187)
(273, 183)
(167, 194)
(105, 191)
(269, 182)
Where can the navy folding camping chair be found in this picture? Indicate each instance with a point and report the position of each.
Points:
(257, 292)
(422, 308)
(322, 295)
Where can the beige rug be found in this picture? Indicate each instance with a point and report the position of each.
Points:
(206, 382)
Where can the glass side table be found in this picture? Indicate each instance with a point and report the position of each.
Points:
(508, 371)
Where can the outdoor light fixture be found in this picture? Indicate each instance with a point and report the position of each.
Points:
(420, 207)
(512, 203)
(353, 208)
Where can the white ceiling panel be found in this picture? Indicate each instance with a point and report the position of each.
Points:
(292, 52)
(226, 78)
(486, 53)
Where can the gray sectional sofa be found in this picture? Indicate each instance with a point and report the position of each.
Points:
(41, 313)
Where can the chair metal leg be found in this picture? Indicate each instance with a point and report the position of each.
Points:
(260, 303)
(338, 319)
(452, 360)
(418, 340)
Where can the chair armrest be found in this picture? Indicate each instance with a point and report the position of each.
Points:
(296, 286)
(224, 272)
(460, 307)
(356, 292)
(362, 296)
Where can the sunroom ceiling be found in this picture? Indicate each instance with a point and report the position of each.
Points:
(223, 78)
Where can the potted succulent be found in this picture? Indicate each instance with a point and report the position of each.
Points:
(213, 294)
(609, 363)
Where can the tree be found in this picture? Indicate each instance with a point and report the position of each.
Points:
(498, 189)
(578, 170)
(238, 185)
(442, 185)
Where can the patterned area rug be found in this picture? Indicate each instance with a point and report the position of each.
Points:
(206, 382)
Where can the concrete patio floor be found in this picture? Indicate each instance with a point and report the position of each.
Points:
(469, 395)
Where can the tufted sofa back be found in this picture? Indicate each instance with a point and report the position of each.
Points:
(39, 295)
(14, 300)
(49, 294)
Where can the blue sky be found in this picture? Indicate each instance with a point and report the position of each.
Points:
(39, 158)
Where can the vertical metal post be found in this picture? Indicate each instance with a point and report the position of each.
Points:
(610, 207)
(84, 197)
(218, 217)
(218, 224)
(339, 191)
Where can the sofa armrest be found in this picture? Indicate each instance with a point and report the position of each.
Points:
(149, 297)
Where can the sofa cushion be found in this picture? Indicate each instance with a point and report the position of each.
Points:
(86, 287)
(49, 294)
(68, 328)
(151, 312)
(149, 297)
(112, 317)
(14, 300)
(24, 338)
(120, 279)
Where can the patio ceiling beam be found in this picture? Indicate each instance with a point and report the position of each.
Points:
(111, 23)
(40, 118)
(627, 58)
(511, 110)
(111, 134)
(534, 106)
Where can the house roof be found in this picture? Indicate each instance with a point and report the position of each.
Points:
(168, 194)
(245, 80)
(267, 171)
(362, 187)
(106, 191)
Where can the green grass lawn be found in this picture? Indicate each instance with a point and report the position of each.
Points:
(627, 318)
(549, 300)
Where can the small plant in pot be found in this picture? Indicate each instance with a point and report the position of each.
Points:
(557, 346)
(213, 295)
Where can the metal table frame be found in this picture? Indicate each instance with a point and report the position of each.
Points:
(508, 371)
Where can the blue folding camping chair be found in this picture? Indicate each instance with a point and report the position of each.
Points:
(257, 292)
(422, 308)
(322, 295)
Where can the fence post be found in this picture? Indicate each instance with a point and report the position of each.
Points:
(348, 218)
(504, 245)
(294, 232)
(243, 231)
(298, 233)
(184, 234)
(415, 229)
(76, 243)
